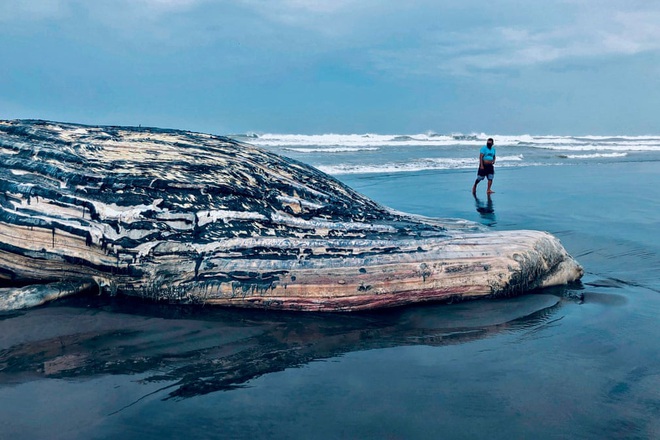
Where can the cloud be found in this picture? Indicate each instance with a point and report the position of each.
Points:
(586, 34)
(288, 7)
(34, 10)
(430, 38)
(638, 31)
(19, 12)
(378, 36)
(165, 6)
(333, 19)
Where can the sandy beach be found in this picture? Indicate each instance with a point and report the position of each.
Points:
(152, 151)
(579, 361)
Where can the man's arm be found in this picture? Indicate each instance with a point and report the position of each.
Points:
(481, 160)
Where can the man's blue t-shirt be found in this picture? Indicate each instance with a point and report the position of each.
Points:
(489, 153)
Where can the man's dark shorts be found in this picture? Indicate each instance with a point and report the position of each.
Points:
(487, 171)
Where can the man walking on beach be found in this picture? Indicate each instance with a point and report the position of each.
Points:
(486, 168)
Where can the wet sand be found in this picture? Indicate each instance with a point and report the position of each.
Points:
(581, 361)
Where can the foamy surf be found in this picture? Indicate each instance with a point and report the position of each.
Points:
(652, 143)
(418, 165)
(371, 153)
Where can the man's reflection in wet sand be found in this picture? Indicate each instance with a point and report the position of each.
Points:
(486, 210)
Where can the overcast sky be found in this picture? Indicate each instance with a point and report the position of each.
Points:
(342, 66)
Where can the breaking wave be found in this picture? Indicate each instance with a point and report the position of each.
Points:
(424, 164)
(592, 156)
(372, 153)
(331, 142)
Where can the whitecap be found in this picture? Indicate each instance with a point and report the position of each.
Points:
(593, 156)
(332, 149)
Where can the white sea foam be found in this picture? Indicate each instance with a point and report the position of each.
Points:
(332, 149)
(516, 158)
(371, 153)
(412, 166)
(619, 146)
(363, 140)
(337, 143)
(593, 156)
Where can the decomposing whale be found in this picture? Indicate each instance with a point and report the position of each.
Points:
(187, 217)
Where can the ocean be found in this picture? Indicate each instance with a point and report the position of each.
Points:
(388, 154)
(580, 361)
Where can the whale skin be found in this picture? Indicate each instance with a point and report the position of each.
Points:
(185, 217)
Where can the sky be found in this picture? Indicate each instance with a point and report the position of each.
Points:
(564, 67)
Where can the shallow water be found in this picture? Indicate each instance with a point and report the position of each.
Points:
(543, 365)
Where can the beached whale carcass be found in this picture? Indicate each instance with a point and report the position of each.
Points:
(189, 217)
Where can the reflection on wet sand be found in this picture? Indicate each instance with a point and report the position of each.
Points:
(486, 210)
(196, 351)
